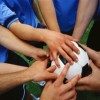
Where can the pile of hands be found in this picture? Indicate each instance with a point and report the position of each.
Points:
(55, 89)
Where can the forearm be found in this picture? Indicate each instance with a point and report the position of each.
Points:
(86, 10)
(10, 41)
(27, 32)
(48, 12)
(11, 80)
(9, 68)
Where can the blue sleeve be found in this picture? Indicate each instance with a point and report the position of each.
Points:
(7, 17)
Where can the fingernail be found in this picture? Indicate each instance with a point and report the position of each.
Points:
(71, 62)
(76, 60)
(78, 52)
(58, 66)
(47, 55)
(79, 76)
(68, 64)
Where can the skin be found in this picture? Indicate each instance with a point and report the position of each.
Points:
(94, 55)
(49, 10)
(14, 75)
(7, 38)
(36, 72)
(91, 82)
(58, 91)
(57, 43)
(85, 12)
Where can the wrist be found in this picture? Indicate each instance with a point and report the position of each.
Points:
(45, 35)
(77, 34)
(32, 51)
(28, 75)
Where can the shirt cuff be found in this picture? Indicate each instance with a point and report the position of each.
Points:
(14, 20)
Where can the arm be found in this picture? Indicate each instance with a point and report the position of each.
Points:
(86, 10)
(9, 68)
(36, 72)
(57, 43)
(11, 80)
(49, 15)
(10, 41)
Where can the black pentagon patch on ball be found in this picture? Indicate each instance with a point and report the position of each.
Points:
(86, 70)
(63, 59)
(80, 46)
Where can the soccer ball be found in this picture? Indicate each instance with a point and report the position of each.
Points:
(81, 67)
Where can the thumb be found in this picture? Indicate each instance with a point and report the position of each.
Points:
(44, 63)
(82, 88)
(43, 53)
(50, 76)
(74, 81)
(92, 65)
(48, 84)
(84, 81)
(51, 69)
(92, 54)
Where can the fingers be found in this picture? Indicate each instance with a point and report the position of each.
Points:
(51, 69)
(92, 54)
(49, 76)
(41, 54)
(44, 53)
(72, 46)
(64, 54)
(71, 84)
(69, 95)
(51, 57)
(74, 98)
(82, 88)
(92, 65)
(69, 37)
(44, 63)
(48, 84)
(55, 58)
(69, 51)
(84, 81)
(60, 79)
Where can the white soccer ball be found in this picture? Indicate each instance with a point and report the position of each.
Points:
(78, 68)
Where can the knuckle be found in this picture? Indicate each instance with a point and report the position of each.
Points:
(56, 85)
(68, 58)
(71, 44)
(63, 74)
(69, 50)
(73, 55)
(71, 84)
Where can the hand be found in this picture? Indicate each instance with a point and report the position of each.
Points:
(39, 54)
(91, 82)
(39, 72)
(95, 56)
(58, 91)
(60, 43)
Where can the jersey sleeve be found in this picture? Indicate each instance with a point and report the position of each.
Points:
(7, 16)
